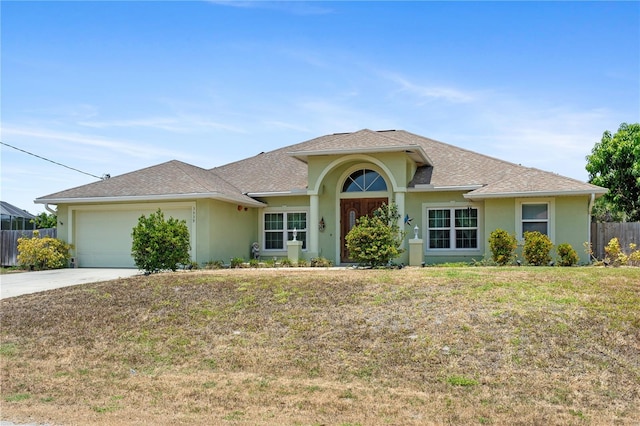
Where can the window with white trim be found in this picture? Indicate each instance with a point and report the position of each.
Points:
(364, 180)
(453, 228)
(535, 217)
(279, 227)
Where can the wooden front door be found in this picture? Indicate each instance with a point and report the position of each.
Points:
(350, 210)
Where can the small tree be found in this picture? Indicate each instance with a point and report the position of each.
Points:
(160, 244)
(376, 240)
(503, 246)
(537, 247)
(42, 253)
(44, 220)
(615, 164)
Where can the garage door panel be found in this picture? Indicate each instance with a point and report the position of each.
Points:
(103, 238)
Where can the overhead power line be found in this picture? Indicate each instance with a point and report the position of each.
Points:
(106, 176)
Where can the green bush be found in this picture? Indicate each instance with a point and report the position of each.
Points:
(160, 244)
(537, 247)
(237, 262)
(503, 246)
(42, 253)
(376, 240)
(318, 262)
(567, 256)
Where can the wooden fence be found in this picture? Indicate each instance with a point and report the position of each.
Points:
(9, 243)
(603, 232)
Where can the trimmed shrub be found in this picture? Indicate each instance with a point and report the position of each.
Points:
(537, 247)
(159, 244)
(567, 256)
(376, 240)
(42, 253)
(503, 246)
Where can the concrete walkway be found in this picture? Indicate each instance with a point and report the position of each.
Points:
(19, 283)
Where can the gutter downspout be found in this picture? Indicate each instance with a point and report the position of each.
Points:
(592, 200)
(50, 210)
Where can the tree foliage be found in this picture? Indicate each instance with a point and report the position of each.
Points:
(42, 253)
(614, 163)
(376, 240)
(160, 244)
(45, 220)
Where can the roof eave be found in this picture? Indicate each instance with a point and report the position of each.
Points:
(416, 152)
(289, 193)
(245, 201)
(597, 192)
(443, 188)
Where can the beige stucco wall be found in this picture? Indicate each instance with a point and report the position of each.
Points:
(570, 222)
(225, 231)
(573, 224)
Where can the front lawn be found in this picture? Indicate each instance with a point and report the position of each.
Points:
(473, 345)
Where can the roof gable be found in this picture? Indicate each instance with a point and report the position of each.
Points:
(363, 141)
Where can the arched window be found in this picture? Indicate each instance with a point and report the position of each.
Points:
(364, 180)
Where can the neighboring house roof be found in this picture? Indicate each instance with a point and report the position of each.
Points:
(11, 210)
(284, 171)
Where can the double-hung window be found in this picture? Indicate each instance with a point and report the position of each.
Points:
(279, 228)
(535, 217)
(452, 228)
(535, 214)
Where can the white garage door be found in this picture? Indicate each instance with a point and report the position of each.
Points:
(103, 238)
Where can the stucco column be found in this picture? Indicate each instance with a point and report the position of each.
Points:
(415, 251)
(312, 226)
(399, 200)
(294, 248)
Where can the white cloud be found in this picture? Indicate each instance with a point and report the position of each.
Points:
(286, 126)
(292, 7)
(123, 147)
(555, 138)
(177, 124)
(430, 92)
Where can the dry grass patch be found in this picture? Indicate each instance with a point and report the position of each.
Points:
(415, 346)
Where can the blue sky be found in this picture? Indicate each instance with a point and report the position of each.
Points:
(112, 87)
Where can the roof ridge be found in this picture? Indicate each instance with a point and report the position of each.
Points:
(205, 172)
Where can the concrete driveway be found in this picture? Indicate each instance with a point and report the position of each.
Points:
(18, 283)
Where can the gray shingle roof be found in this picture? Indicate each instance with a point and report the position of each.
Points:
(284, 170)
(173, 178)
(449, 166)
